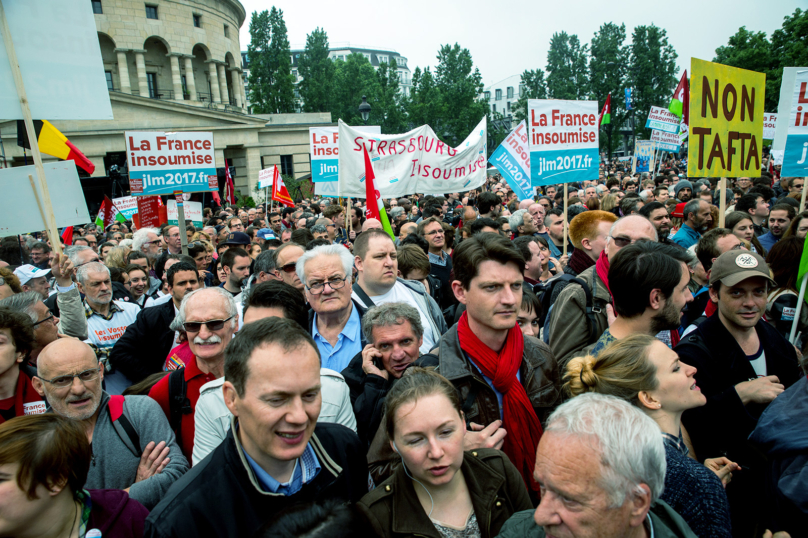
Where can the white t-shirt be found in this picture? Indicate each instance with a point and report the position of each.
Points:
(402, 294)
(758, 362)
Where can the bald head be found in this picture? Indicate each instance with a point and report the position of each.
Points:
(64, 353)
(524, 204)
(629, 229)
(371, 224)
(407, 229)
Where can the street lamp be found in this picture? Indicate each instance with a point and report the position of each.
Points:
(364, 109)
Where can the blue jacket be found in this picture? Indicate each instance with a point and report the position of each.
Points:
(686, 237)
(767, 241)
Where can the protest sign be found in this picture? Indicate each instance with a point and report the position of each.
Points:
(661, 119)
(407, 163)
(643, 160)
(193, 212)
(795, 163)
(726, 127)
(19, 204)
(127, 205)
(769, 125)
(148, 211)
(162, 163)
(265, 178)
(665, 141)
(563, 141)
(59, 57)
(784, 110)
(324, 150)
(512, 159)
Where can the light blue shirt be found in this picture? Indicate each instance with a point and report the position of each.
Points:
(307, 467)
(686, 237)
(491, 383)
(349, 343)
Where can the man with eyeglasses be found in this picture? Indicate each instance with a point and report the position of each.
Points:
(132, 443)
(145, 344)
(173, 243)
(431, 229)
(326, 272)
(210, 319)
(147, 242)
(574, 323)
(106, 319)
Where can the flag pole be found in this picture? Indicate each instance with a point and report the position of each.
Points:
(50, 219)
(793, 336)
(566, 200)
(180, 221)
(722, 201)
(804, 191)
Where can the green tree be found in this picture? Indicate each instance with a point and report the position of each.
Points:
(424, 105)
(388, 108)
(270, 80)
(651, 72)
(353, 78)
(608, 64)
(460, 86)
(317, 71)
(753, 51)
(532, 86)
(567, 71)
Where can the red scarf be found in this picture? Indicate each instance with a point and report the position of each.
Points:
(26, 400)
(602, 267)
(519, 418)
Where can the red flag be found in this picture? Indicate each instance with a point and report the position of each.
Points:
(680, 105)
(375, 207)
(229, 189)
(217, 198)
(67, 236)
(279, 192)
(606, 114)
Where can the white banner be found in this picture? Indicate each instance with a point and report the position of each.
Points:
(769, 125)
(192, 210)
(665, 141)
(411, 162)
(126, 205)
(265, 178)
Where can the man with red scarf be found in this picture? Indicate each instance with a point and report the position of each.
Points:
(572, 329)
(508, 383)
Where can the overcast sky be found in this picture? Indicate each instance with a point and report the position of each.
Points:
(505, 38)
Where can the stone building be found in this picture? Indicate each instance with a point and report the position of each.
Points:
(175, 65)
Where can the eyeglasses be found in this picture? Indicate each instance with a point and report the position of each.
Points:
(2, 281)
(64, 381)
(288, 268)
(153, 242)
(212, 325)
(48, 318)
(319, 287)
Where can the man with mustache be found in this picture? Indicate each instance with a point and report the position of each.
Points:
(106, 319)
(209, 318)
(780, 218)
(141, 456)
(743, 364)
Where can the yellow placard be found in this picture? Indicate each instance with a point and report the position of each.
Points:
(726, 120)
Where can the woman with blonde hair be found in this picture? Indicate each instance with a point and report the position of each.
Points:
(644, 371)
(610, 201)
(118, 257)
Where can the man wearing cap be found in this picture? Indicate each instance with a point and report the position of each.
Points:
(697, 218)
(33, 278)
(743, 363)
(237, 239)
(683, 191)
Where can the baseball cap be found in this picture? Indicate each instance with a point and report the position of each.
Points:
(237, 238)
(679, 210)
(735, 266)
(266, 233)
(27, 272)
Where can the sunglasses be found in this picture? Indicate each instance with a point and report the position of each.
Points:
(622, 241)
(288, 268)
(212, 325)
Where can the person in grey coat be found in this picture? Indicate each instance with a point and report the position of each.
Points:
(133, 446)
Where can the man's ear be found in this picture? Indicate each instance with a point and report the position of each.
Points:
(39, 387)
(359, 264)
(459, 291)
(656, 300)
(640, 505)
(230, 396)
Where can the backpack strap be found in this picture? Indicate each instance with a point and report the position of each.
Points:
(178, 402)
(695, 340)
(123, 426)
(364, 296)
(592, 309)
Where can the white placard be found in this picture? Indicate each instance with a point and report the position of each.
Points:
(769, 125)
(56, 42)
(192, 210)
(18, 205)
(127, 205)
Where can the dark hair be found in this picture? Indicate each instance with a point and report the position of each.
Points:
(426, 222)
(467, 257)
(361, 243)
(416, 383)
(195, 248)
(327, 519)
(21, 327)
(707, 247)
(177, 267)
(784, 261)
(764, 190)
(136, 255)
(747, 202)
(432, 210)
(477, 225)
(788, 208)
(230, 255)
(523, 244)
(302, 236)
(281, 331)
(411, 257)
(417, 240)
(530, 301)
(487, 201)
(41, 245)
(314, 243)
(650, 207)
(641, 267)
(128, 269)
(50, 450)
(277, 294)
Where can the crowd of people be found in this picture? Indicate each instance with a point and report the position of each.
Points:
(496, 367)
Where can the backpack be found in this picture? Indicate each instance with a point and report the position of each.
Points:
(544, 291)
(178, 402)
(123, 425)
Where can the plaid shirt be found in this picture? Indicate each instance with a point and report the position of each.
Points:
(675, 442)
(341, 237)
(88, 311)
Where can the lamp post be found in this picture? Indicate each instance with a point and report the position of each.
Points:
(364, 109)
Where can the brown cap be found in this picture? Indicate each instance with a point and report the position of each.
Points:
(735, 266)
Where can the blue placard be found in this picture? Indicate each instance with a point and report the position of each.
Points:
(516, 177)
(563, 166)
(324, 170)
(795, 158)
(168, 181)
(628, 98)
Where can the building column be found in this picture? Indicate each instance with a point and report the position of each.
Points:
(142, 81)
(176, 76)
(253, 166)
(241, 89)
(214, 82)
(123, 71)
(189, 77)
(234, 77)
(223, 84)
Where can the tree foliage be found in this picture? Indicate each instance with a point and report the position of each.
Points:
(652, 73)
(424, 106)
(317, 71)
(388, 109)
(353, 78)
(532, 86)
(460, 86)
(270, 81)
(567, 71)
(608, 65)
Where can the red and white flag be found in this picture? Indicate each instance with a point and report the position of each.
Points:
(279, 192)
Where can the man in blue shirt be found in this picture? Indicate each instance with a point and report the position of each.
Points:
(780, 218)
(697, 218)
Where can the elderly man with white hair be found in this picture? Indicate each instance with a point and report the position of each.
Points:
(522, 223)
(147, 241)
(601, 468)
(335, 322)
(210, 319)
(107, 320)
